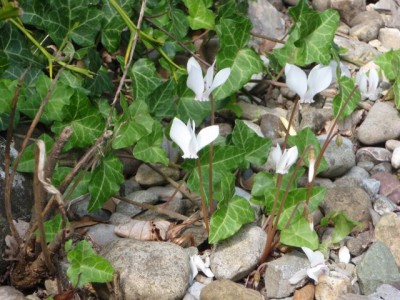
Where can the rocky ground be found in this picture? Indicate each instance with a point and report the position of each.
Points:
(361, 180)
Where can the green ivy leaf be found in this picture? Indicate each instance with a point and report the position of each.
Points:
(34, 12)
(199, 16)
(188, 108)
(149, 149)
(76, 19)
(179, 23)
(144, 79)
(299, 234)
(234, 34)
(27, 162)
(161, 100)
(311, 37)
(343, 225)
(80, 189)
(389, 63)
(7, 92)
(105, 182)
(255, 147)
(86, 266)
(307, 137)
(245, 64)
(346, 85)
(396, 92)
(84, 119)
(229, 218)
(52, 228)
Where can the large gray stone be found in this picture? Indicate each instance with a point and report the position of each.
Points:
(235, 257)
(10, 293)
(388, 232)
(227, 290)
(378, 266)
(381, 124)
(150, 270)
(357, 52)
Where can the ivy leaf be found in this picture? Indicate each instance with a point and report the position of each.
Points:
(346, 85)
(134, 124)
(101, 82)
(307, 137)
(387, 62)
(7, 92)
(199, 16)
(255, 147)
(311, 37)
(34, 12)
(105, 182)
(149, 149)
(179, 23)
(299, 234)
(144, 79)
(396, 92)
(74, 19)
(52, 228)
(84, 119)
(86, 266)
(27, 162)
(81, 188)
(234, 34)
(114, 24)
(161, 100)
(342, 225)
(197, 111)
(229, 218)
(245, 64)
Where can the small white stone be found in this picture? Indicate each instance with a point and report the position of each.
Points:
(396, 158)
(390, 38)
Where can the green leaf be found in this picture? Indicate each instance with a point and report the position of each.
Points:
(149, 149)
(229, 218)
(346, 85)
(27, 163)
(7, 92)
(86, 266)
(234, 34)
(134, 124)
(161, 100)
(307, 137)
(311, 37)
(105, 182)
(114, 24)
(343, 225)
(389, 63)
(199, 16)
(255, 147)
(179, 23)
(84, 119)
(396, 92)
(33, 12)
(54, 110)
(188, 108)
(80, 188)
(74, 19)
(245, 64)
(52, 228)
(144, 79)
(299, 234)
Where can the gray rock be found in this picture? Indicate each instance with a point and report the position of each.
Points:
(385, 291)
(390, 38)
(118, 218)
(271, 126)
(383, 167)
(358, 52)
(332, 287)
(354, 297)
(10, 293)
(340, 159)
(129, 186)
(254, 112)
(348, 9)
(373, 154)
(383, 205)
(227, 290)
(279, 272)
(396, 158)
(79, 209)
(138, 196)
(366, 25)
(165, 193)
(378, 266)
(102, 234)
(148, 177)
(314, 117)
(321, 5)
(381, 124)
(353, 201)
(354, 177)
(149, 270)
(390, 186)
(365, 17)
(355, 246)
(266, 20)
(388, 231)
(366, 165)
(235, 257)
(392, 144)
(371, 186)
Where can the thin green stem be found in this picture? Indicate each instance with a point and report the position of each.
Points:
(210, 161)
(203, 197)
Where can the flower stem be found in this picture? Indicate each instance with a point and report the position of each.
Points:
(203, 197)
(210, 169)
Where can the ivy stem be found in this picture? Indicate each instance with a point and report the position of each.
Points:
(203, 197)
(210, 169)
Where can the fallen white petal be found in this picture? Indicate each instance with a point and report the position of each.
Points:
(298, 276)
(344, 255)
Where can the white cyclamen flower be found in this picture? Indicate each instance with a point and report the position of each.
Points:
(197, 264)
(319, 79)
(283, 161)
(368, 85)
(185, 137)
(344, 70)
(203, 86)
(317, 267)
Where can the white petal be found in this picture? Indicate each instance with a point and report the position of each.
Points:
(276, 155)
(373, 81)
(220, 78)
(315, 258)
(311, 170)
(344, 255)
(288, 158)
(195, 80)
(319, 79)
(202, 266)
(265, 60)
(317, 271)
(208, 80)
(180, 134)
(298, 276)
(206, 136)
(192, 62)
(344, 70)
(361, 80)
(193, 267)
(296, 79)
